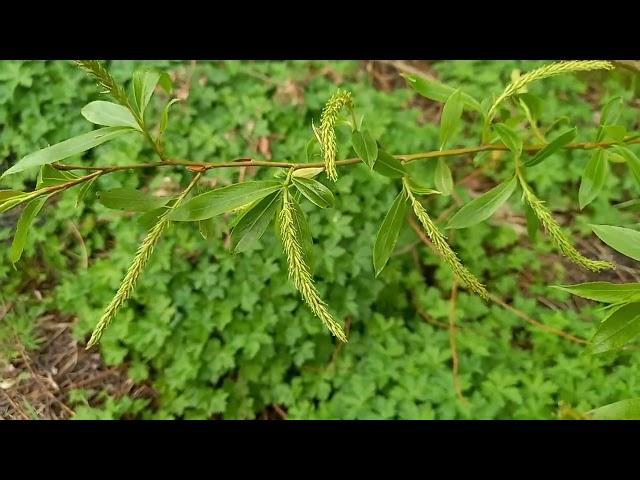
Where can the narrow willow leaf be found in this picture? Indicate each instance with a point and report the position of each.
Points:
(314, 191)
(222, 200)
(622, 410)
(307, 172)
(49, 176)
(533, 222)
(418, 188)
(481, 208)
(389, 232)
(164, 118)
(6, 194)
(438, 92)
(389, 166)
(632, 160)
(207, 228)
(144, 83)
(593, 178)
(148, 219)
(533, 102)
(312, 150)
(614, 132)
(622, 326)
(24, 225)
(86, 186)
(611, 111)
(109, 114)
(623, 240)
(131, 200)
(451, 117)
(510, 138)
(255, 222)
(556, 144)
(68, 148)
(365, 146)
(443, 178)
(603, 291)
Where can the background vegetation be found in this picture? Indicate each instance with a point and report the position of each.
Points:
(210, 334)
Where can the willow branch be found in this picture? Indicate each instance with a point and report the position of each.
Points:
(406, 158)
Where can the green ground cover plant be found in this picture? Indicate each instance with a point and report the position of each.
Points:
(289, 235)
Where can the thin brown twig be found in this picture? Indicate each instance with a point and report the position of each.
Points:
(15, 406)
(542, 326)
(36, 377)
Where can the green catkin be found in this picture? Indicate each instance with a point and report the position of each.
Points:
(128, 284)
(443, 248)
(327, 135)
(299, 271)
(558, 238)
(96, 70)
(548, 71)
(135, 269)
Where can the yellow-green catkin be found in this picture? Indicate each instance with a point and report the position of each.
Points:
(299, 271)
(96, 70)
(558, 237)
(328, 119)
(443, 249)
(546, 71)
(128, 284)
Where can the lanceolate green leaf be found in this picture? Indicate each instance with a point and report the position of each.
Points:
(553, 146)
(222, 200)
(483, 207)
(622, 410)
(389, 166)
(164, 118)
(632, 160)
(610, 114)
(255, 222)
(593, 178)
(622, 326)
(623, 240)
(109, 114)
(314, 191)
(144, 83)
(86, 186)
(365, 146)
(603, 291)
(6, 194)
(24, 224)
(389, 232)
(439, 92)
(443, 178)
(49, 176)
(131, 200)
(420, 189)
(510, 138)
(451, 117)
(68, 148)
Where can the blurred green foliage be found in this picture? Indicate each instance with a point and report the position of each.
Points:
(226, 335)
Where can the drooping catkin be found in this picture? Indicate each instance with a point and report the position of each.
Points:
(96, 70)
(443, 249)
(558, 237)
(548, 71)
(328, 119)
(128, 284)
(299, 271)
